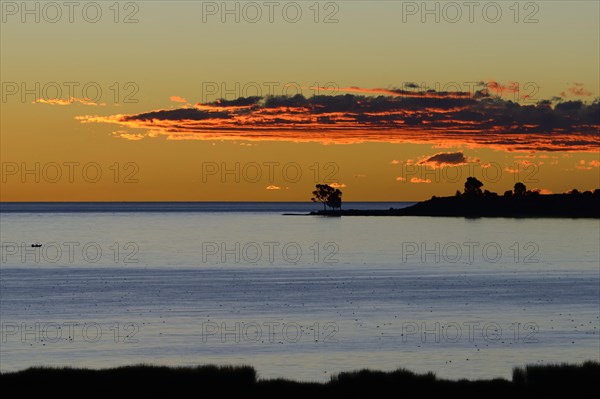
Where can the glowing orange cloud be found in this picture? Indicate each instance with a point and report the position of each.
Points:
(576, 90)
(589, 166)
(419, 180)
(441, 119)
(128, 136)
(178, 99)
(499, 88)
(70, 101)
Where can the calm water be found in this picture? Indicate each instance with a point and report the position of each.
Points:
(295, 296)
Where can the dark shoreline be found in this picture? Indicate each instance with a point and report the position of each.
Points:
(530, 206)
(547, 380)
(181, 207)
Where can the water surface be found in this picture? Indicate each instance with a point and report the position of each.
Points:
(296, 296)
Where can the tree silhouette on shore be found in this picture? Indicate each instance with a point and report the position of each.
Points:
(520, 189)
(328, 196)
(473, 186)
(335, 199)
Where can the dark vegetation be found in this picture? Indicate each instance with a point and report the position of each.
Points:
(328, 196)
(531, 381)
(475, 202)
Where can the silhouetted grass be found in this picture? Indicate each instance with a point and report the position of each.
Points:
(553, 377)
(531, 381)
(136, 379)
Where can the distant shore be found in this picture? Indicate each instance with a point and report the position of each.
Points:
(527, 206)
(532, 381)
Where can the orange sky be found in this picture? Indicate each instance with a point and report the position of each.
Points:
(155, 104)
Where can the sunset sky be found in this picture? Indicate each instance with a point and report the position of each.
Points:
(178, 101)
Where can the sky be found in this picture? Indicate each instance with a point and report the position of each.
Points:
(260, 101)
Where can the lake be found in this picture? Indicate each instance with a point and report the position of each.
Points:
(300, 297)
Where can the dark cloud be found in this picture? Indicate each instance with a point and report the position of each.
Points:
(446, 158)
(238, 102)
(389, 115)
(192, 114)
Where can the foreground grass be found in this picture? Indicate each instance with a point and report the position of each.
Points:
(550, 380)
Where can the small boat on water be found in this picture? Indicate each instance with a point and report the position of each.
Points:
(36, 245)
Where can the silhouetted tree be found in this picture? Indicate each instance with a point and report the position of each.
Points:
(335, 199)
(473, 186)
(520, 189)
(597, 191)
(322, 194)
(508, 193)
(327, 195)
(574, 192)
(458, 194)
